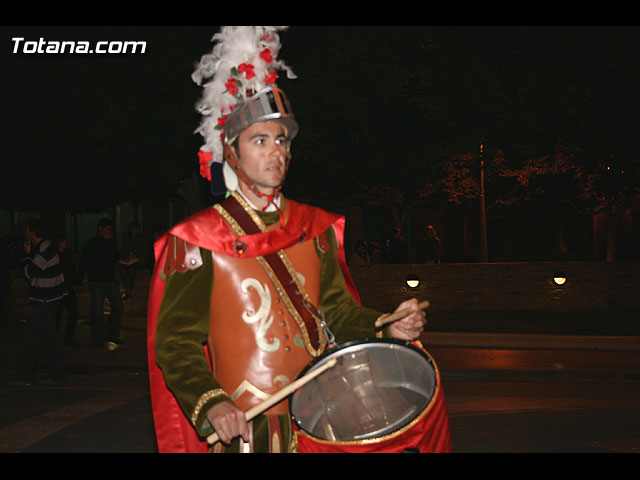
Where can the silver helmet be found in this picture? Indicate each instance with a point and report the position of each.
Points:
(270, 104)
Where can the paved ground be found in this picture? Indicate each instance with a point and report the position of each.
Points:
(505, 393)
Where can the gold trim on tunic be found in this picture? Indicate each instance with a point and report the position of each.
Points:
(204, 398)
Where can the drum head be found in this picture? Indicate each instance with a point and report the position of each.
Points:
(376, 388)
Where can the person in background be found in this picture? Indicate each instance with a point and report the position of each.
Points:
(134, 250)
(396, 252)
(43, 270)
(360, 255)
(432, 245)
(99, 257)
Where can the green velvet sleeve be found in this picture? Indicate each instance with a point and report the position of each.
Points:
(346, 319)
(182, 331)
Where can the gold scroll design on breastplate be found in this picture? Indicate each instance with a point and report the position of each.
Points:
(263, 316)
(239, 231)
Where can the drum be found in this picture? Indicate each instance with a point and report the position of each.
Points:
(381, 396)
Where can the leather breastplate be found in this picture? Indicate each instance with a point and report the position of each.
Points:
(257, 345)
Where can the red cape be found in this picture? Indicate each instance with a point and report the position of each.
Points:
(207, 229)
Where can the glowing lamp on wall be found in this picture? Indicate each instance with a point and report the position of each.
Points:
(413, 281)
(559, 278)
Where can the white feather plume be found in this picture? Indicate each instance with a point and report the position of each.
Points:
(235, 45)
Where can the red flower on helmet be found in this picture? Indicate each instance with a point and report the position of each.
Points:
(222, 120)
(266, 56)
(232, 86)
(270, 77)
(204, 158)
(247, 69)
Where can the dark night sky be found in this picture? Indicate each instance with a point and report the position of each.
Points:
(360, 91)
(71, 116)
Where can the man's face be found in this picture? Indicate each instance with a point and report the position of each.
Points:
(262, 154)
(105, 232)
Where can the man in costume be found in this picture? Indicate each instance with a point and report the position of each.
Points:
(246, 293)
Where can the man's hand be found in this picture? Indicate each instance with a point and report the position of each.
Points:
(228, 421)
(411, 326)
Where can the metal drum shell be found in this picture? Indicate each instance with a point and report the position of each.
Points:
(428, 431)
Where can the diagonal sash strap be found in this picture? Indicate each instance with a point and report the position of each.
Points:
(310, 315)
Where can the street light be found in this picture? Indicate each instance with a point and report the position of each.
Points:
(413, 281)
(559, 278)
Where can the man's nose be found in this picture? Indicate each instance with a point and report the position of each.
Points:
(277, 150)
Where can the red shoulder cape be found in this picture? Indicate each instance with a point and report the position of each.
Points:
(207, 229)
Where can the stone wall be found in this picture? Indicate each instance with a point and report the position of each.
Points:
(590, 286)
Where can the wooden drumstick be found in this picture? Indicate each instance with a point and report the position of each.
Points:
(280, 395)
(398, 315)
